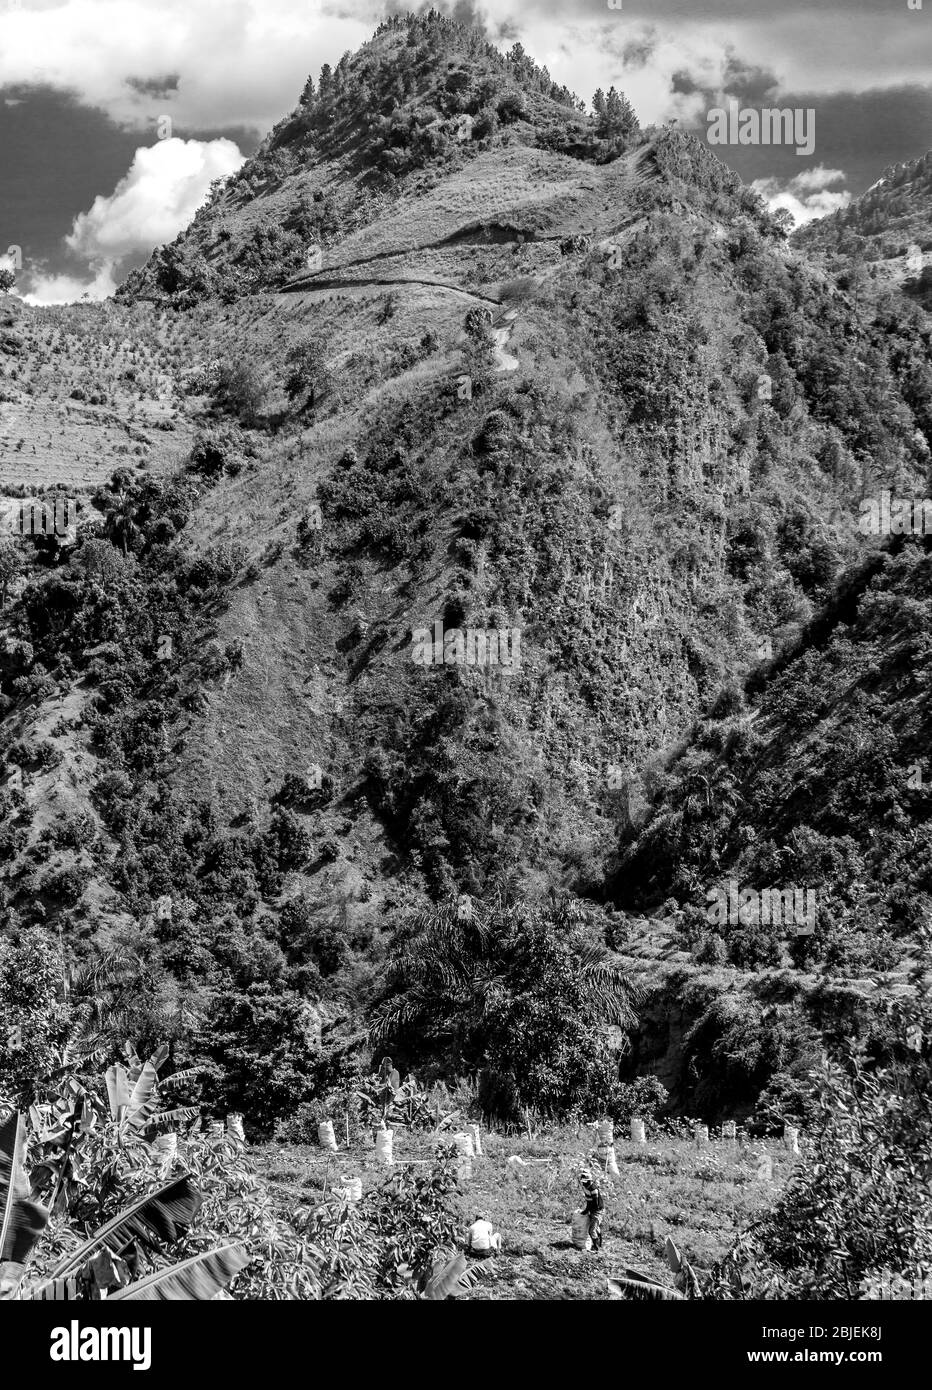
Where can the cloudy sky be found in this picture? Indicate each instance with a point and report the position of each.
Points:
(88, 87)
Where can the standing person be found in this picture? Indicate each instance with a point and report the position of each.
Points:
(594, 1208)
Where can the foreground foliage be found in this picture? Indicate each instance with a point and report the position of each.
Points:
(857, 1222)
(176, 1212)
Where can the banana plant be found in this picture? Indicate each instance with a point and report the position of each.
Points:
(61, 1130)
(103, 1263)
(388, 1086)
(635, 1285)
(160, 1217)
(133, 1092)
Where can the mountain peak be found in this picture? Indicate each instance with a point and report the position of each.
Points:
(417, 102)
(422, 85)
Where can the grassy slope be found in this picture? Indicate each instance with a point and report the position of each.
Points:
(47, 435)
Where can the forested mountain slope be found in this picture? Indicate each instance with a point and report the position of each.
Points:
(884, 238)
(449, 350)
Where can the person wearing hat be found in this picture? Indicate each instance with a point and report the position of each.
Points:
(594, 1208)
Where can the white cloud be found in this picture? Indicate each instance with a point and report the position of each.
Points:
(165, 185)
(67, 289)
(807, 196)
(817, 178)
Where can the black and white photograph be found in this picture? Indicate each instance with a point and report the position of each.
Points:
(465, 678)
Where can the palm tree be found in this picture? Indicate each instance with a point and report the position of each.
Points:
(461, 981)
(120, 526)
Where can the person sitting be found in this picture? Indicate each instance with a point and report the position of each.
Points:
(481, 1239)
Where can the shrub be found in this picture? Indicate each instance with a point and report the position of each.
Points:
(34, 1023)
(214, 452)
(242, 389)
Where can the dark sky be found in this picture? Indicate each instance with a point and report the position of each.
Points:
(55, 157)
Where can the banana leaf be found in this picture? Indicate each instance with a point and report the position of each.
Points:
(22, 1220)
(201, 1277)
(181, 1115)
(118, 1090)
(162, 1216)
(179, 1078)
(456, 1276)
(144, 1098)
(140, 1102)
(640, 1288)
(687, 1280)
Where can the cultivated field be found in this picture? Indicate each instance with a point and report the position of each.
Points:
(700, 1198)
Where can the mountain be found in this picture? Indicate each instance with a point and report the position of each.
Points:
(885, 235)
(446, 350)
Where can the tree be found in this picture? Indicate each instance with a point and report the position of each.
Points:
(7, 279)
(598, 106)
(619, 118)
(258, 1037)
(11, 564)
(306, 371)
(242, 389)
(784, 222)
(121, 526)
(479, 352)
(516, 993)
